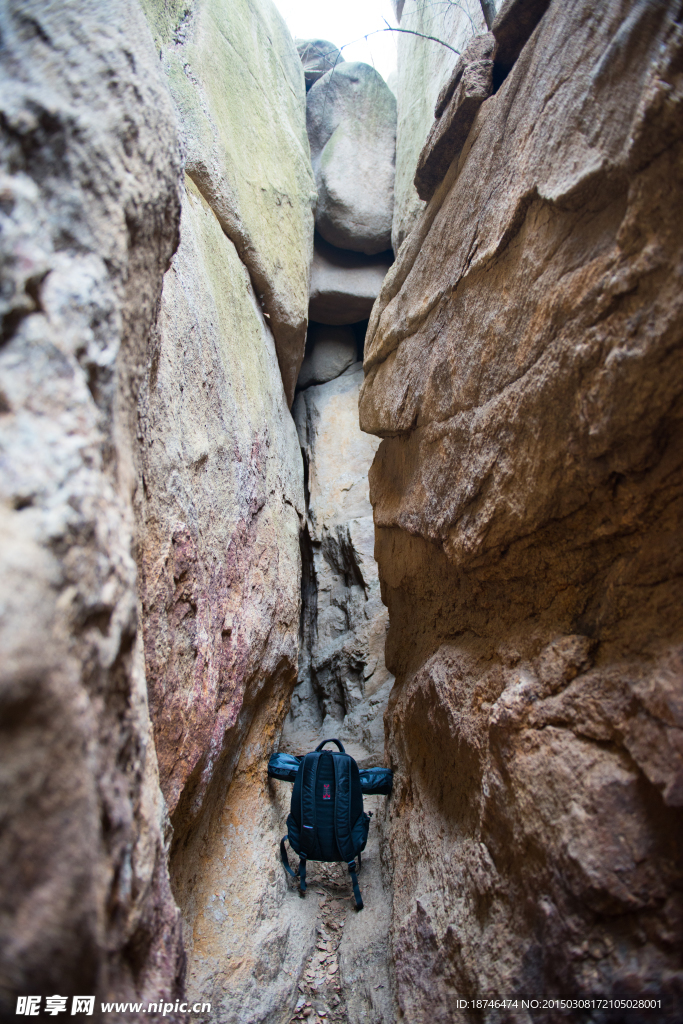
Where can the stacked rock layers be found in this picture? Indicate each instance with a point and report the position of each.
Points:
(523, 365)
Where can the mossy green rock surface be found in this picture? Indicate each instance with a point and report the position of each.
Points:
(238, 86)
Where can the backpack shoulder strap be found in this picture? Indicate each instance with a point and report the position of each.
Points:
(309, 773)
(342, 806)
(354, 881)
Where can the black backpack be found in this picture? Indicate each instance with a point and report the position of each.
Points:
(327, 821)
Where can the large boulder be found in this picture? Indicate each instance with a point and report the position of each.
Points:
(329, 351)
(89, 222)
(219, 587)
(318, 56)
(351, 122)
(238, 84)
(220, 593)
(221, 497)
(524, 367)
(344, 284)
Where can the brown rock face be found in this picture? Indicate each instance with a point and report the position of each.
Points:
(219, 546)
(89, 216)
(523, 364)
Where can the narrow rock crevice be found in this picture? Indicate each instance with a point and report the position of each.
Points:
(198, 221)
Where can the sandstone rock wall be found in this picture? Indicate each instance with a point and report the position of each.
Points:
(523, 365)
(89, 211)
(222, 500)
(220, 583)
(149, 423)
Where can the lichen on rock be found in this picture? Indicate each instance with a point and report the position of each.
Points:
(238, 87)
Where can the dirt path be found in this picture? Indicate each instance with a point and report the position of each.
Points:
(346, 978)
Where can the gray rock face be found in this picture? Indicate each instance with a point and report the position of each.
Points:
(222, 502)
(318, 56)
(343, 682)
(329, 351)
(237, 82)
(344, 284)
(351, 123)
(89, 222)
(424, 67)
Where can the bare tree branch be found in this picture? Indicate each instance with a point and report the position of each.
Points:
(409, 32)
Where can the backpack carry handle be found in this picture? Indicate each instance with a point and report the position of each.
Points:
(321, 745)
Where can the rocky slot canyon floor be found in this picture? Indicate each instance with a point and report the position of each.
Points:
(348, 969)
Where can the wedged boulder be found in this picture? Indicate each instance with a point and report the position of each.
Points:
(456, 108)
(343, 682)
(238, 85)
(351, 123)
(318, 56)
(344, 284)
(89, 221)
(329, 351)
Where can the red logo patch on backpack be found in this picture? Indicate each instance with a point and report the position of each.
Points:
(326, 791)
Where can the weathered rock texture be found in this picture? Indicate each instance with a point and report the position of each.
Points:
(329, 351)
(249, 933)
(469, 85)
(342, 691)
(344, 284)
(90, 208)
(343, 682)
(222, 501)
(221, 498)
(425, 67)
(351, 122)
(237, 82)
(524, 367)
